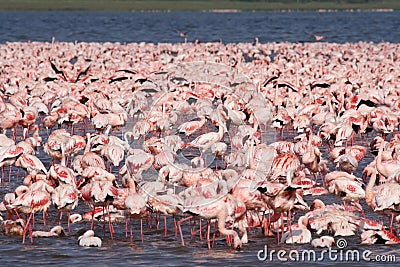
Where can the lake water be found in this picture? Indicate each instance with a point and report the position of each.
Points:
(156, 28)
(203, 26)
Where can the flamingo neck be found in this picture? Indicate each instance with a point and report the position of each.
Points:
(221, 131)
(222, 215)
(87, 147)
(63, 158)
(379, 157)
(252, 164)
(368, 190)
(132, 186)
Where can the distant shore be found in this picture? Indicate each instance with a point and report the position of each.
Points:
(200, 5)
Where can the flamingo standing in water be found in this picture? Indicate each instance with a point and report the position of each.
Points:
(65, 198)
(205, 141)
(383, 199)
(190, 127)
(299, 234)
(379, 237)
(91, 159)
(136, 206)
(168, 204)
(31, 163)
(386, 168)
(213, 208)
(8, 157)
(36, 199)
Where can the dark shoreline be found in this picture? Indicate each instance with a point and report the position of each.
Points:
(185, 5)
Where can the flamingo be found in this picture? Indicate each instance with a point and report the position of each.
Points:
(13, 227)
(138, 162)
(114, 154)
(332, 218)
(168, 204)
(5, 141)
(59, 173)
(190, 127)
(283, 200)
(9, 120)
(383, 199)
(349, 191)
(323, 242)
(102, 194)
(379, 237)
(36, 199)
(55, 231)
(317, 37)
(50, 121)
(31, 164)
(298, 234)
(91, 159)
(74, 218)
(215, 208)
(29, 114)
(285, 164)
(9, 155)
(65, 198)
(205, 141)
(136, 206)
(386, 168)
(183, 35)
(141, 128)
(89, 240)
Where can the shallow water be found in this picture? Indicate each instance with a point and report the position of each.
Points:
(161, 27)
(157, 250)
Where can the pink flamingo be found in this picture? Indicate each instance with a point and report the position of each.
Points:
(138, 162)
(88, 239)
(31, 163)
(136, 206)
(383, 199)
(65, 198)
(208, 208)
(8, 157)
(298, 234)
(35, 200)
(205, 141)
(379, 237)
(190, 127)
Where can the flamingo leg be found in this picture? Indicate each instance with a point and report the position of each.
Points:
(200, 229)
(104, 223)
(92, 225)
(208, 234)
(180, 228)
(175, 227)
(2, 176)
(9, 174)
(213, 238)
(126, 225)
(290, 226)
(59, 217)
(69, 223)
(391, 223)
(26, 227)
(165, 225)
(130, 222)
(141, 229)
(109, 222)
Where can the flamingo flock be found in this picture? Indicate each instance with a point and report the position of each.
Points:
(222, 140)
